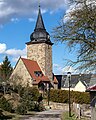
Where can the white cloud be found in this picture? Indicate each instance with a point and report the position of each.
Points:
(55, 65)
(57, 69)
(2, 48)
(31, 20)
(16, 52)
(13, 53)
(69, 69)
(14, 19)
(0, 63)
(63, 70)
(11, 9)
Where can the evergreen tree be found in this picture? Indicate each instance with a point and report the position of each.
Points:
(5, 69)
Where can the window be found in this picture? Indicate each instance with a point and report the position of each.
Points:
(38, 73)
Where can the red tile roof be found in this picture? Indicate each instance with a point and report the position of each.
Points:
(33, 66)
(55, 80)
(91, 88)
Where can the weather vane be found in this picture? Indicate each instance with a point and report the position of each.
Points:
(39, 3)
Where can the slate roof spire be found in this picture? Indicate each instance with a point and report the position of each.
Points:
(40, 35)
(39, 23)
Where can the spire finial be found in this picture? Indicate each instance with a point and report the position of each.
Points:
(39, 3)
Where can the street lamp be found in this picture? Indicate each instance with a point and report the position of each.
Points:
(69, 78)
(48, 93)
(4, 84)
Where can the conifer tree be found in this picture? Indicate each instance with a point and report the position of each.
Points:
(5, 69)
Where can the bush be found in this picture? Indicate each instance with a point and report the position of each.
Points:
(61, 96)
(30, 105)
(34, 92)
(39, 107)
(80, 97)
(30, 97)
(30, 93)
(5, 105)
(21, 109)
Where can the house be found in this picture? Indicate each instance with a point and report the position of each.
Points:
(78, 82)
(92, 91)
(93, 80)
(37, 67)
(59, 79)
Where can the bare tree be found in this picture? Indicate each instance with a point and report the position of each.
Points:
(79, 29)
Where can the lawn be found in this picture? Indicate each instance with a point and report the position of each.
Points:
(13, 116)
(65, 116)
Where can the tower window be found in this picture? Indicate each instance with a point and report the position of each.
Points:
(38, 73)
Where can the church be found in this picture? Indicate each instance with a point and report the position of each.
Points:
(36, 69)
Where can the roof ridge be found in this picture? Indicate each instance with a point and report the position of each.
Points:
(29, 59)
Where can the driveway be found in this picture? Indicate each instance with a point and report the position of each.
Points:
(47, 115)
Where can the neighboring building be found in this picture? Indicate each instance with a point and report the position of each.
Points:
(93, 80)
(92, 90)
(60, 79)
(78, 82)
(37, 67)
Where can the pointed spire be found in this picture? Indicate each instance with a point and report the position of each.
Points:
(39, 23)
(40, 35)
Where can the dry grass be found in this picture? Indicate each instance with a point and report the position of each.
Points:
(65, 116)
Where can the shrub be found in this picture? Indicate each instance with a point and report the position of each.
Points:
(30, 93)
(80, 97)
(61, 96)
(5, 105)
(29, 97)
(39, 107)
(34, 92)
(30, 105)
(21, 109)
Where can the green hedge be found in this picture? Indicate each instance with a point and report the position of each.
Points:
(61, 96)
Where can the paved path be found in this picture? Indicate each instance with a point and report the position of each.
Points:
(47, 115)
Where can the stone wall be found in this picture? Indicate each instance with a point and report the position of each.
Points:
(82, 110)
(59, 106)
(21, 75)
(56, 106)
(79, 110)
(42, 53)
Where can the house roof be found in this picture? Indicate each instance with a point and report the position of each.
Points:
(91, 88)
(93, 80)
(84, 78)
(32, 67)
(55, 80)
(60, 80)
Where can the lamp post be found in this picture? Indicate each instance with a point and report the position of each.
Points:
(69, 78)
(48, 93)
(4, 84)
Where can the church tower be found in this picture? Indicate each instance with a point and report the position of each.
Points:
(39, 48)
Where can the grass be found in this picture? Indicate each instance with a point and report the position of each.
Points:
(14, 116)
(65, 116)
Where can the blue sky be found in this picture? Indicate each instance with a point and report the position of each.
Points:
(17, 22)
